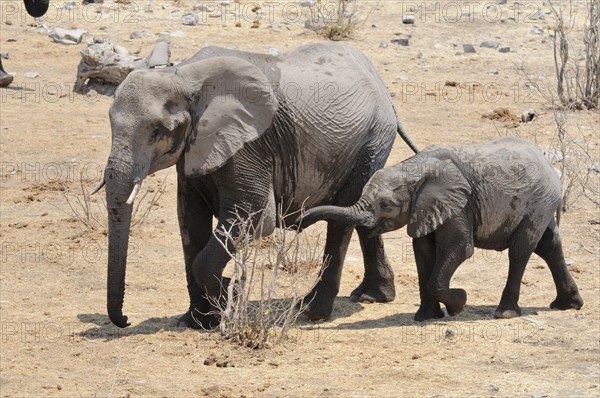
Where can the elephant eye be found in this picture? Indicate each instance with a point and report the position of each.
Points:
(159, 132)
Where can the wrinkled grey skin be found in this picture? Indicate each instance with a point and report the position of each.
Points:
(251, 132)
(497, 195)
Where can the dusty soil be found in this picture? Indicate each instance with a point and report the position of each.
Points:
(56, 339)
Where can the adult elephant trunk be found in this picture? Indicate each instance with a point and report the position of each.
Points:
(353, 215)
(119, 185)
(36, 8)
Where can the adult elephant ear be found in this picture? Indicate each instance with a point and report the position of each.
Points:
(233, 104)
(36, 8)
(439, 195)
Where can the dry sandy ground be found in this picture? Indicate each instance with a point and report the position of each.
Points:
(56, 339)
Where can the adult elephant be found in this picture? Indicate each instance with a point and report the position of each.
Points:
(253, 132)
(36, 8)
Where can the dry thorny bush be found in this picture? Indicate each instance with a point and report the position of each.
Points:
(576, 86)
(92, 212)
(262, 304)
(336, 19)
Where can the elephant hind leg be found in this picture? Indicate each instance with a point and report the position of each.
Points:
(378, 282)
(520, 249)
(550, 250)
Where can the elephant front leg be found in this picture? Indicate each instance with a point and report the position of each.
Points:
(195, 225)
(378, 282)
(453, 245)
(320, 300)
(424, 249)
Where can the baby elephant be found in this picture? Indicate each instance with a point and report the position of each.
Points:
(497, 195)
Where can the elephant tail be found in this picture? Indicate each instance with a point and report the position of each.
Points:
(402, 132)
(558, 213)
(352, 215)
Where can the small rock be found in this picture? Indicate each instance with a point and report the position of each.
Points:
(553, 155)
(501, 1)
(4, 55)
(409, 19)
(595, 167)
(175, 11)
(201, 7)
(400, 42)
(210, 360)
(43, 29)
(505, 49)
(308, 3)
(536, 30)
(539, 395)
(569, 261)
(489, 44)
(67, 36)
(177, 33)
(274, 52)
(31, 75)
(383, 44)
(492, 72)
(528, 116)
(438, 46)
(469, 49)
(493, 388)
(311, 24)
(189, 19)
(537, 16)
(136, 34)
(449, 333)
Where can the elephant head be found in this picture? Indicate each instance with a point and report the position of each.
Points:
(423, 192)
(197, 115)
(36, 8)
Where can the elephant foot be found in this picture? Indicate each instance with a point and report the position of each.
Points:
(456, 301)
(195, 319)
(5, 79)
(428, 312)
(507, 311)
(319, 304)
(372, 292)
(574, 301)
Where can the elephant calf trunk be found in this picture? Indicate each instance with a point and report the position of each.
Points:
(348, 215)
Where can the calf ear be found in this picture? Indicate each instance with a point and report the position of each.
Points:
(439, 195)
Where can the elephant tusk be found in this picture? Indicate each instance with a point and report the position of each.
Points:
(98, 187)
(134, 192)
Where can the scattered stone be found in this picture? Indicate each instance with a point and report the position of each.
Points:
(553, 155)
(274, 52)
(569, 261)
(451, 83)
(201, 7)
(538, 394)
(4, 55)
(312, 24)
(159, 57)
(595, 167)
(537, 16)
(528, 116)
(238, 24)
(469, 49)
(255, 24)
(190, 19)
(31, 75)
(493, 72)
(493, 388)
(67, 36)
(449, 333)
(308, 3)
(210, 360)
(383, 44)
(43, 29)
(409, 19)
(136, 34)
(501, 2)
(489, 44)
(536, 30)
(505, 49)
(400, 42)
(11, 40)
(92, 2)
(438, 46)
(175, 11)
(105, 65)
